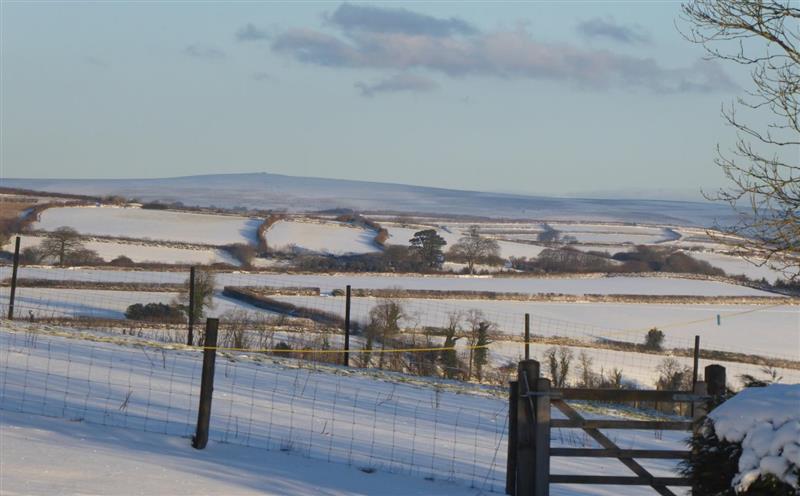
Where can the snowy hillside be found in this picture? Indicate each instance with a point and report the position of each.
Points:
(147, 463)
(308, 194)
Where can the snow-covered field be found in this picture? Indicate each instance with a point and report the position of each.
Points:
(638, 369)
(451, 433)
(733, 265)
(451, 234)
(528, 285)
(755, 329)
(152, 224)
(104, 304)
(772, 331)
(297, 194)
(399, 235)
(145, 253)
(320, 237)
(58, 456)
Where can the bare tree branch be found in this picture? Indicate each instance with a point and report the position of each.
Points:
(764, 165)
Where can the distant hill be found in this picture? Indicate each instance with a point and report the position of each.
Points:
(303, 194)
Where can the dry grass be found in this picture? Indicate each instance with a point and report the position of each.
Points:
(13, 208)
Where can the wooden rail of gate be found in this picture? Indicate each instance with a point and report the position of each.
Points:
(529, 450)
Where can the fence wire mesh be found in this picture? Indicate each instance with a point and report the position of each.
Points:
(304, 313)
(327, 413)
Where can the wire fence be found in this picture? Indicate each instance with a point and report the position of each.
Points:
(76, 351)
(327, 413)
(304, 314)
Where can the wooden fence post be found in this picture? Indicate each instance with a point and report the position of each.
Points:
(511, 461)
(699, 411)
(699, 408)
(695, 368)
(527, 381)
(190, 337)
(200, 439)
(347, 328)
(13, 292)
(696, 361)
(527, 336)
(542, 438)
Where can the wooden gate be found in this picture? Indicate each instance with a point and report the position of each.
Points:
(529, 450)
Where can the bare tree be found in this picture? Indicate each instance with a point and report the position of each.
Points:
(588, 378)
(763, 166)
(558, 362)
(673, 376)
(60, 243)
(474, 248)
(384, 324)
(203, 294)
(478, 341)
(450, 357)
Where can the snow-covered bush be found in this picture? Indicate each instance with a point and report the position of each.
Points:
(750, 445)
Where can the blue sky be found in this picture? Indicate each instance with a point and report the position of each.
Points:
(548, 97)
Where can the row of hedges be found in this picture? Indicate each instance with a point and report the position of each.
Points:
(255, 298)
(432, 294)
(104, 285)
(381, 233)
(283, 290)
(271, 219)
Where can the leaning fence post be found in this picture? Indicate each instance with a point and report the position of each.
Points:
(511, 460)
(190, 336)
(527, 336)
(13, 292)
(347, 327)
(200, 438)
(527, 381)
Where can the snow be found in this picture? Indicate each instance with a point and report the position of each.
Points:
(510, 249)
(44, 456)
(402, 235)
(527, 285)
(152, 224)
(132, 407)
(321, 237)
(451, 234)
(145, 252)
(752, 329)
(778, 335)
(733, 265)
(611, 249)
(640, 369)
(279, 192)
(766, 421)
(104, 304)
